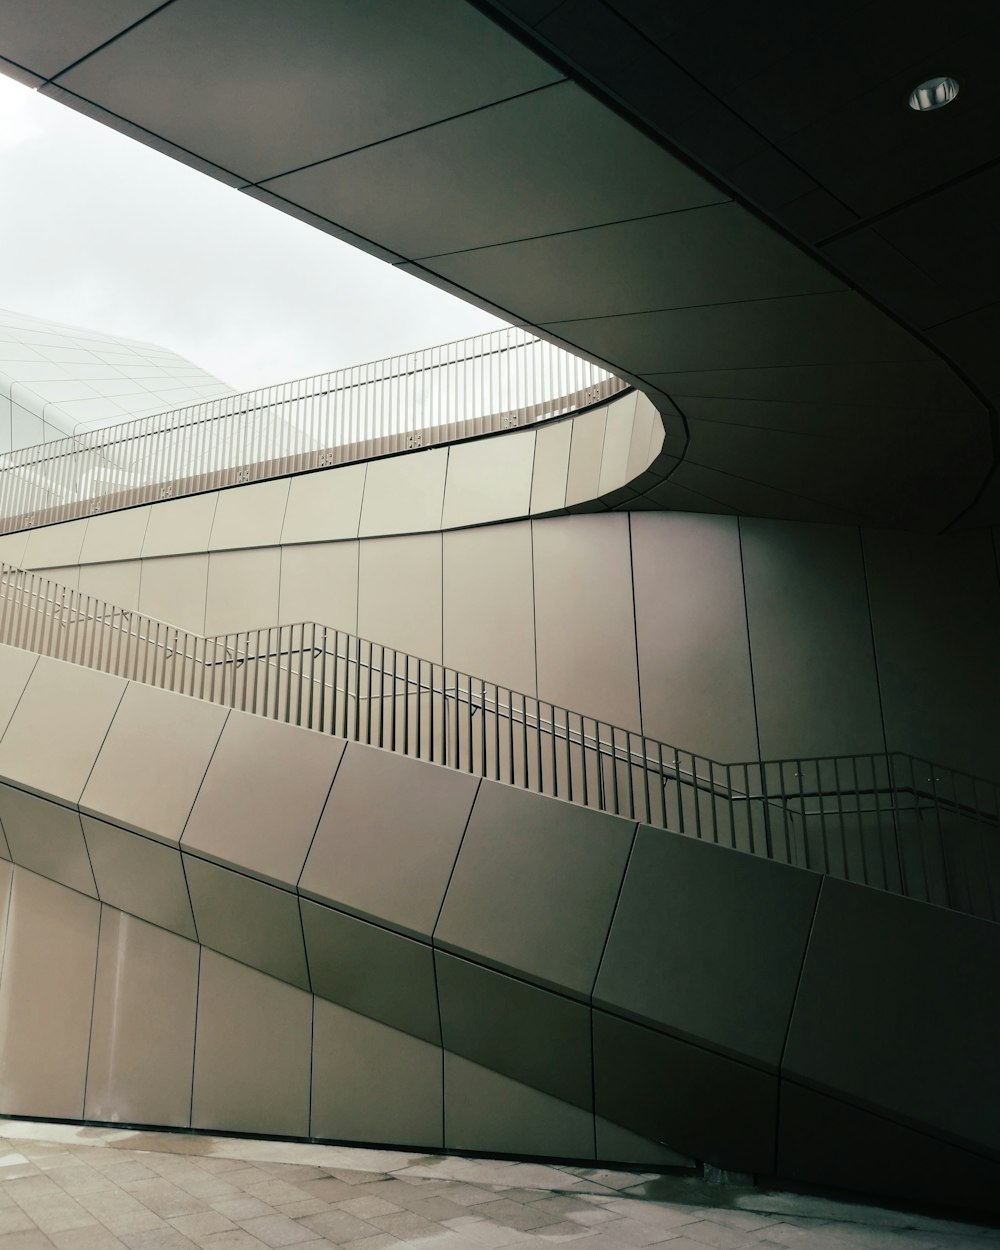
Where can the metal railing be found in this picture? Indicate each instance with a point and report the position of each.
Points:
(438, 395)
(884, 820)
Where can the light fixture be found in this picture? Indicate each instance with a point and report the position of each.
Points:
(935, 93)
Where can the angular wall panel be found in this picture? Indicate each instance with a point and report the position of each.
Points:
(535, 886)
(260, 802)
(815, 683)
(489, 479)
(325, 505)
(139, 876)
(488, 1112)
(115, 535)
(535, 1037)
(387, 809)
(551, 472)
(583, 478)
(153, 760)
(583, 617)
(46, 838)
(54, 736)
(828, 1142)
(372, 971)
(175, 589)
(247, 920)
(242, 589)
(142, 1038)
(249, 516)
(707, 944)
(116, 583)
(46, 994)
(372, 1083)
(251, 1067)
(694, 657)
(399, 594)
(319, 582)
(177, 526)
(684, 1097)
(55, 544)
(897, 1012)
(16, 666)
(489, 610)
(404, 494)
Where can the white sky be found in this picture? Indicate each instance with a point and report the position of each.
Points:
(100, 231)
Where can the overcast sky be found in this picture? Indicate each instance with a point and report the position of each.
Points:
(99, 231)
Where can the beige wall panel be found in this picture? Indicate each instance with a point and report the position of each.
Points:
(115, 535)
(324, 506)
(249, 516)
(153, 761)
(179, 526)
(140, 876)
(319, 582)
(551, 471)
(261, 799)
(404, 494)
(644, 446)
(251, 1069)
(535, 887)
(66, 575)
(373, 1083)
(811, 641)
(489, 1112)
(489, 611)
(489, 480)
(55, 544)
(12, 548)
(247, 920)
(618, 443)
(46, 838)
(242, 590)
(116, 584)
(585, 454)
(175, 589)
(56, 732)
(583, 617)
(694, 657)
(936, 613)
(399, 594)
(16, 666)
(386, 809)
(46, 993)
(142, 1038)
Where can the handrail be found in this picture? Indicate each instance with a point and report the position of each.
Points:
(886, 820)
(459, 390)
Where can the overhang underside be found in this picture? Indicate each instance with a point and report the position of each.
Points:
(437, 140)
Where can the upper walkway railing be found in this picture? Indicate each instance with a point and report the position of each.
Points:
(438, 395)
(886, 820)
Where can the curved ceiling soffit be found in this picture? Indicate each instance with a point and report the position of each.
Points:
(814, 132)
(474, 162)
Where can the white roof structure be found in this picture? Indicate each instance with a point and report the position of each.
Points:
(58, 380)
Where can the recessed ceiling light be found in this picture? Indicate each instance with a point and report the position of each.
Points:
(935, 93)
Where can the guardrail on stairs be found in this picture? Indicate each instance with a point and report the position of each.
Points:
(886, 820)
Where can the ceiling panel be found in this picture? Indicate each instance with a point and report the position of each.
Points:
(553, 160)
(891, 277)
(708, 255)
(806, 330)
(751, 498)
(263, 86)
(47, 42)
(928, 385)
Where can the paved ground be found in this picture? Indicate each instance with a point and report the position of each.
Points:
(64, 1187)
